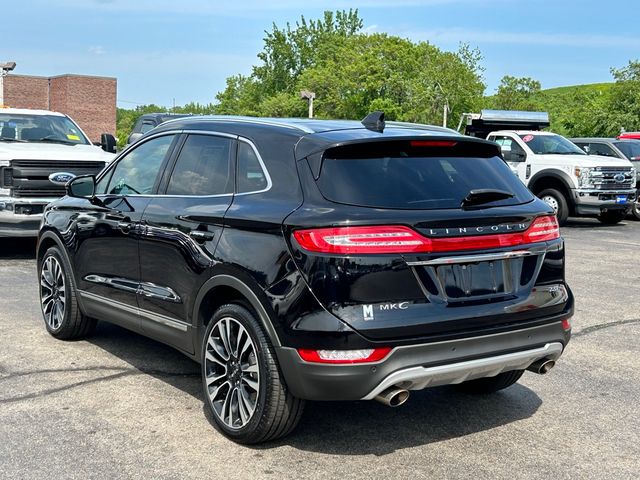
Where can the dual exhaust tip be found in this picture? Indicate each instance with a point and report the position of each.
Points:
(395, 396)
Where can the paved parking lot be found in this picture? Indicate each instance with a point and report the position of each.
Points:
(122, 406)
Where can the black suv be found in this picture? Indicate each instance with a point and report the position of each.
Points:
(312, 260)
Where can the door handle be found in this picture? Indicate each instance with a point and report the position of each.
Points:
(125, 227)
(201, 235)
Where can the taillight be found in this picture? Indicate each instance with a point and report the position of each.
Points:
(345, 240)
(566, 325)
(543, 229)
(401, 239)
(367, 355)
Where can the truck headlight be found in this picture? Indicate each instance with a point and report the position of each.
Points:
(583, 174)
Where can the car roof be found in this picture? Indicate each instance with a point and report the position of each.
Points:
(302, 125)
(592, 139)
(28, 111)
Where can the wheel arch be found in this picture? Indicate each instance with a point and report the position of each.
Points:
(552, 179)
(222, 289)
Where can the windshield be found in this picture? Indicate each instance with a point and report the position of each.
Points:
(630, 148)
(40, 128)
(393, 175)
(550, 144)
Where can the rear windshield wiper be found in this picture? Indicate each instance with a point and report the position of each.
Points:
(484, 195)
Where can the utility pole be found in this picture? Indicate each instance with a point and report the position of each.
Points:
(5, 68)
(309, 96)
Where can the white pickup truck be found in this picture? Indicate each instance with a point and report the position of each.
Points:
(34, 144)
(558, 171)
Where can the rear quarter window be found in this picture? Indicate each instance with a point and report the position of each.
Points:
(403, 176)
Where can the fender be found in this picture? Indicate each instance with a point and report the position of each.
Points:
(233, 282)
(553, 173)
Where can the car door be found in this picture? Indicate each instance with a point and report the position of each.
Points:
(181, 228)
(107, 261)
(514, 155)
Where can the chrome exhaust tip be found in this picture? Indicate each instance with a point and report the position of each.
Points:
(393, 396)
(541, 366)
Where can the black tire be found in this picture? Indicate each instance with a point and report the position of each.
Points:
(491, 384)
(612, 217)
(71, 323)
(276, 412)
(635, 209)
(558, 201)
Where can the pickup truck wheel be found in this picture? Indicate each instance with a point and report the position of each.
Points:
(491, 384)
(558, 202)
(62, 316)
(243, 388)
(611, 218)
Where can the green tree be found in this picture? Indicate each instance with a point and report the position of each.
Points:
(516, 93)
(624, 104)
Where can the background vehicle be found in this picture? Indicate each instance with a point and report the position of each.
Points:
(312, 260)
(33, 145)
(628, 149)
(629, 136)
(555, 169)
(149, 121)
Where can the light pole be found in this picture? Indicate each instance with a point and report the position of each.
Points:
(306, 95)
(5, 68)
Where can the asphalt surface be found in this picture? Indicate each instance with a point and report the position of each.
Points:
(121, 406)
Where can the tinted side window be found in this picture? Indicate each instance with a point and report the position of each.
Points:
(137, 171)
(251, 176)
(203, 167)
(601, 149)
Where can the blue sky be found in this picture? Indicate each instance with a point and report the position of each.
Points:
(161, 50)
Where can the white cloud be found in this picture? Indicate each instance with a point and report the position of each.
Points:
(96, 50)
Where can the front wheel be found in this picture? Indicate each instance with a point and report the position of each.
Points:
(612, 217)
(62, 316)
(556, 200)
(243, 387)
(491, 384)
(635, 208)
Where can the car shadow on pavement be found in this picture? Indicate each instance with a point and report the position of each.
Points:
(429, 416)
(342, 428)
(17, 248)
(594, 223)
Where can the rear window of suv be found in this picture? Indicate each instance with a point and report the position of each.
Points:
(415, 175)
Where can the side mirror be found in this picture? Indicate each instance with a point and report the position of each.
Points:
(83, 186)
(108, 142)
(133, 138)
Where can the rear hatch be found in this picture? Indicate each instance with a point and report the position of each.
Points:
(419, 237)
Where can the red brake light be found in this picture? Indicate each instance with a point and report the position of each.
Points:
(367, 355)
(401, 239)
(344, 240)
(433, 143)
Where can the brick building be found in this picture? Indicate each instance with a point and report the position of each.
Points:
(89, 100)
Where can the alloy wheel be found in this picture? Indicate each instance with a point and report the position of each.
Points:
(52, 292)
(232, 373)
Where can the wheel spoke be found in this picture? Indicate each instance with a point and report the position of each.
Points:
(242, 409)
(223, 328)
(214, 394)
(246, 402)
(209, 356)
(214, 378)
(251, 383)
(250, 368)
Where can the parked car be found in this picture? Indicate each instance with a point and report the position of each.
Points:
(629, 136)
(621, 147)
(149, 121)
(312, 260)
(555, 169)
(33, 145)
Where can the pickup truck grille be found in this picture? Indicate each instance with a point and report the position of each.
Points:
(30, 178)
(606, 178)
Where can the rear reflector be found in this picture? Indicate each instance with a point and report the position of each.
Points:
(401, 239)
(566, 325)
(344, 356)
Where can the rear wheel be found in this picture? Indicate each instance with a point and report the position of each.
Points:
(612, 217)
(556, 200)
(243, 387)
(491, 384)
(62, 316)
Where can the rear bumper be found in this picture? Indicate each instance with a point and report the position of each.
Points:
(419, 366)
(20, 217)
(595, 202)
